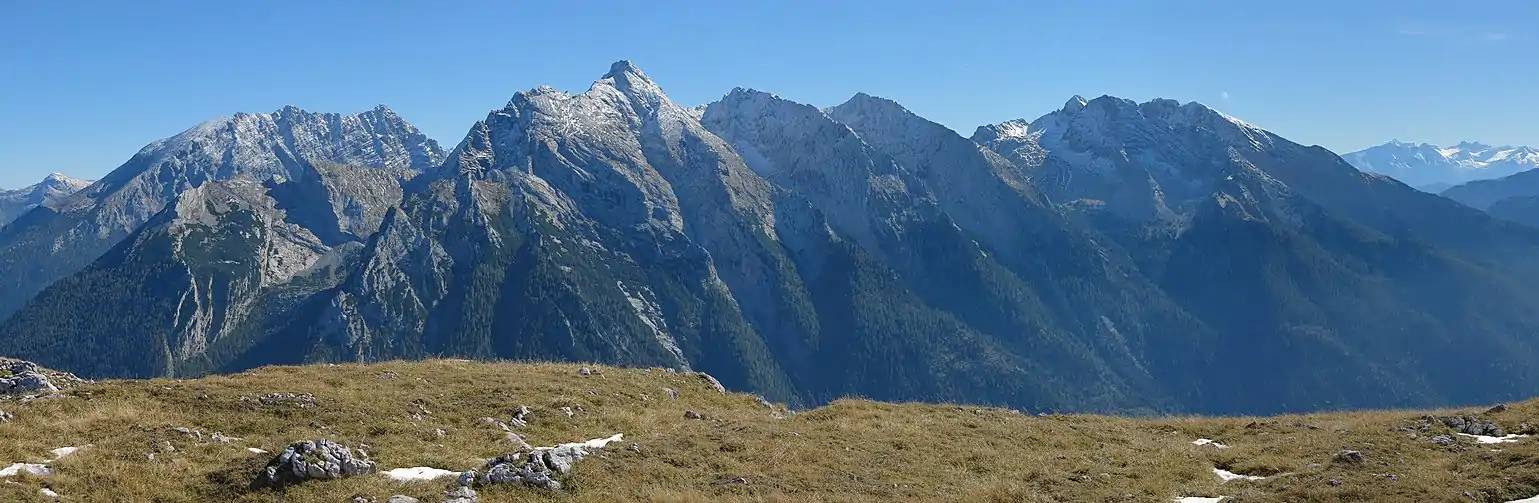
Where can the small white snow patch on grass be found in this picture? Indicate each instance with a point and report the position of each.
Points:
(1226, 475)
(1199, 499)
(254, 450)
(1494, 440)
(61, 452)
(48, 493)
(1534, 499)
(28, 468)
(1204, 441)
(419, 474)
(597, 443)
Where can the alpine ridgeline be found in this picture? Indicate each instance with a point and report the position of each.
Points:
(1430, 167)
(1110, 256)
(57, 240)
(15, 202)
(1514, 197)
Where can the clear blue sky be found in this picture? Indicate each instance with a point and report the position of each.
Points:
(84, 84)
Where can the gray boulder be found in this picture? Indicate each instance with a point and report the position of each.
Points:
(533, 469)
(501, 473)
(14, 367)
(517, 440)
(540, 480)
(1470, 425)
(461, 494)
(714, 383)
(318, 460)
(1353, 457)
(520, 417)
(303, 401)
(402, 499)
(27, 383)
(561, 459)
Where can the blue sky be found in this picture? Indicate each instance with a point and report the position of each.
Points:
(85, 84)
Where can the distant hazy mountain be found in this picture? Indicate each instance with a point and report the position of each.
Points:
(1108, 256)
(1514, 198)
(15, 202)
(1435, 188)
(1427, 165)
(1481, 194)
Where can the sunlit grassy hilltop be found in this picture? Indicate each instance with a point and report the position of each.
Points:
(430, 414)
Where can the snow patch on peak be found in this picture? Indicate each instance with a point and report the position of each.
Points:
(65, 180)
(1015, 129)
(1075, 104)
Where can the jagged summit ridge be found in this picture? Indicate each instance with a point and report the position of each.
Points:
(277, 146)
(262, 146)
(1108, 255)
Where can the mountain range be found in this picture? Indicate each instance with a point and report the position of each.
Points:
(1108, 256)
(1435, 168)
(56, 186)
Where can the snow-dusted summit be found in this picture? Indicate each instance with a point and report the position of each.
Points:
(1425, 164)
(53, 188)
(1141, 161)
(266, 147)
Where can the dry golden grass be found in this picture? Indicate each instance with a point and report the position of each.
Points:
(851, 451)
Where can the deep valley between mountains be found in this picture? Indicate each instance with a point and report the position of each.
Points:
(1111, 256)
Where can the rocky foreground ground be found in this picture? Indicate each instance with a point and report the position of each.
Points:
(463, 432)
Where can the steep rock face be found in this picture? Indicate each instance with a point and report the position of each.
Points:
(49, 244)
(862, 192)
(53, 188)
(165, 299)
(989, 276)
(340, 202)
(557, 229)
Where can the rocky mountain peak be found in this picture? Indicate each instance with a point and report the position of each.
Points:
(630, 81)
(53, 188)
(1075, 104)
(868, 106)
(62, 180)
(1472, 146)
